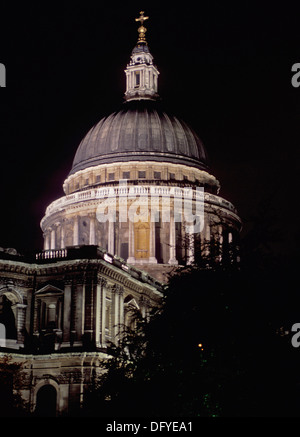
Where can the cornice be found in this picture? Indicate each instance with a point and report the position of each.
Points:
(81, 267)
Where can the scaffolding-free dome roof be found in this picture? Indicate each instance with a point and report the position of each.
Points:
(140, 131)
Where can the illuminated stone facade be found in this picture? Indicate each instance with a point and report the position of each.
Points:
(61, 310)
(61, 307)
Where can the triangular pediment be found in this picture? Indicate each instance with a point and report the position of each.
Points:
(132, 303)
(49, 289)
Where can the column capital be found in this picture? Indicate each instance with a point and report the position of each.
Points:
(68, 280)
(102, 281)
(118, 289)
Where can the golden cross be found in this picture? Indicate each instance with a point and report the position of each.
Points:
(141, 18)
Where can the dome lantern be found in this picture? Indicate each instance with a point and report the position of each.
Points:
(141, 73)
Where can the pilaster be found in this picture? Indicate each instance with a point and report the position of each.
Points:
(92, 240)
(76, 231)
(67, 314)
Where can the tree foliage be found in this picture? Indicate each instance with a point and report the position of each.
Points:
(214, 348)
(11, 401)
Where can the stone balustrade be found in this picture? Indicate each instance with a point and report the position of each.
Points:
(132, 190)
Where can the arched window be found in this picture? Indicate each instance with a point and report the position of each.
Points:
(46, 400)
(137, 79)
(7, 315)
(141, 239)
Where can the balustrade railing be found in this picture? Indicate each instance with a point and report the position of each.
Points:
(132, 190)
(51, 253)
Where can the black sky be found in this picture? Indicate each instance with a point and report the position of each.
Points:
(225, 69)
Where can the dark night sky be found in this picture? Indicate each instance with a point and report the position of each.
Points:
(225, 69)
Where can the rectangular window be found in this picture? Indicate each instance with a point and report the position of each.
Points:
(185, 178)
(142, 174)
(86, 182)
(172, 176)
(157, 175)
(126, 174)
(111, 176)
(98, 178)
(124, 250)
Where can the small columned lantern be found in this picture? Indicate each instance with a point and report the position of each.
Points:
(141, 73)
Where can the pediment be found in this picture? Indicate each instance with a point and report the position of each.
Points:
(132, 303)
(49, 289)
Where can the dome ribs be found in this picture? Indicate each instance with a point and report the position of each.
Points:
(192, 144)
(126, 131)
(181, 140)
(156, 132)
(140, 131)
(169, 134)
(101, 146)
(112, 139)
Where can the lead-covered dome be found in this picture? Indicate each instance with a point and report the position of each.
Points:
(140, 131)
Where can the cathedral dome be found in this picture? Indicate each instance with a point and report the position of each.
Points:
(140, 131)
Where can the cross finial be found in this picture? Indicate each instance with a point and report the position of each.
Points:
(142, 18)
(142, 30)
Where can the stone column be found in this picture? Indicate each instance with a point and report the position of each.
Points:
(52, 244)
(143, 78)
(206, 236)
(131, 258)
(62, 236)
(120, 292)
(152, 258)
(79, 312)
(131, 80)
(97, 315)
(172, 240)
(92, 231)
(111, 237)
(115, 313)
(75, 232)
(121, 305)
(89, 310)
(46, 240)
(67, 314)
(59, 316)
(103, 312)
(118, 312)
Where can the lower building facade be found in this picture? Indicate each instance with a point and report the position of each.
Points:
(60, 312)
